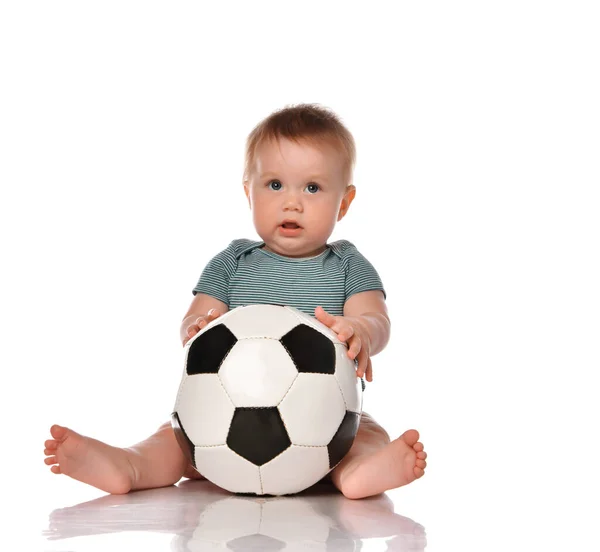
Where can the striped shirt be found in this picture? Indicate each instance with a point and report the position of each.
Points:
(245, 274)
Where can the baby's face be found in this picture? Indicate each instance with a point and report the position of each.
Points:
(297, 192)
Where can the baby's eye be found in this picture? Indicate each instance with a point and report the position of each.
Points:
(313, 188)
(274, 185)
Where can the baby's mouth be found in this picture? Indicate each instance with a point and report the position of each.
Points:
(290, 225)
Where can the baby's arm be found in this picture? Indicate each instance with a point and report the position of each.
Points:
(370, 309)
(199, 314)
(365, 327)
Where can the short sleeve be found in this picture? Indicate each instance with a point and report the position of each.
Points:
(360, 273)
(215, 277)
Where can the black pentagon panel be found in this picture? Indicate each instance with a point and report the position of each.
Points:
(343, 438)
(184, 441)
(310, 350)
(257, 434)
(256, 542)
(208, 351)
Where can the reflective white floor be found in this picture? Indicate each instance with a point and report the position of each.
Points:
(460, 507)
(196, 515)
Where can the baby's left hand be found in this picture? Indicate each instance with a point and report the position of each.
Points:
(350, 331)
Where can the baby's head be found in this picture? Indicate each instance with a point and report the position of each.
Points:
(298, 178)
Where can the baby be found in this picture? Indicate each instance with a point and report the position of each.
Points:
(298, 181)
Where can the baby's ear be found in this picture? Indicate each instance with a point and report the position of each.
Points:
(348, 198)
(247, 192)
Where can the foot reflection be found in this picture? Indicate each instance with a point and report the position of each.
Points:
(202, 516)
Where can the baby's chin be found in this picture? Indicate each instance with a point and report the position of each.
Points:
(297, 251)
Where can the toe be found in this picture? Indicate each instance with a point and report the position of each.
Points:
(419, 472)
(50, 460)
(421, 464)
(410, 437)
(58, 432)
(51, 444)
(422, 455)
(55, 469)
(418, 447)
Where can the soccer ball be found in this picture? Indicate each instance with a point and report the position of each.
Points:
(269, 402)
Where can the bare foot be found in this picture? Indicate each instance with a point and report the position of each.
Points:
(88, 460)
(398, 463)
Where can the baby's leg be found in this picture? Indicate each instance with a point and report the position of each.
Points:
(156, 462)
(375, 464)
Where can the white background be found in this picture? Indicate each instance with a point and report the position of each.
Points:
(122, 127)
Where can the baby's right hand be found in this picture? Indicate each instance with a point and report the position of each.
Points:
(199, 323)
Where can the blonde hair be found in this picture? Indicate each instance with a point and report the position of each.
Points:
(310, 122)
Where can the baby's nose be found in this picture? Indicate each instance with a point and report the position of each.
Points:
(292, 202)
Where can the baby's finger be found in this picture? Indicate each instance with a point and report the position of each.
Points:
(369, 371)
(346, 333)
(211, 315)
(355, 346)
(362, 364)
(193, 330)
(323, 316)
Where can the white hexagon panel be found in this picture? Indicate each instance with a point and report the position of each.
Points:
(257, 372)
(259, 321)
(313, 409)
(199, 397)
(228, 470)
(350, 385)
(294, 470)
